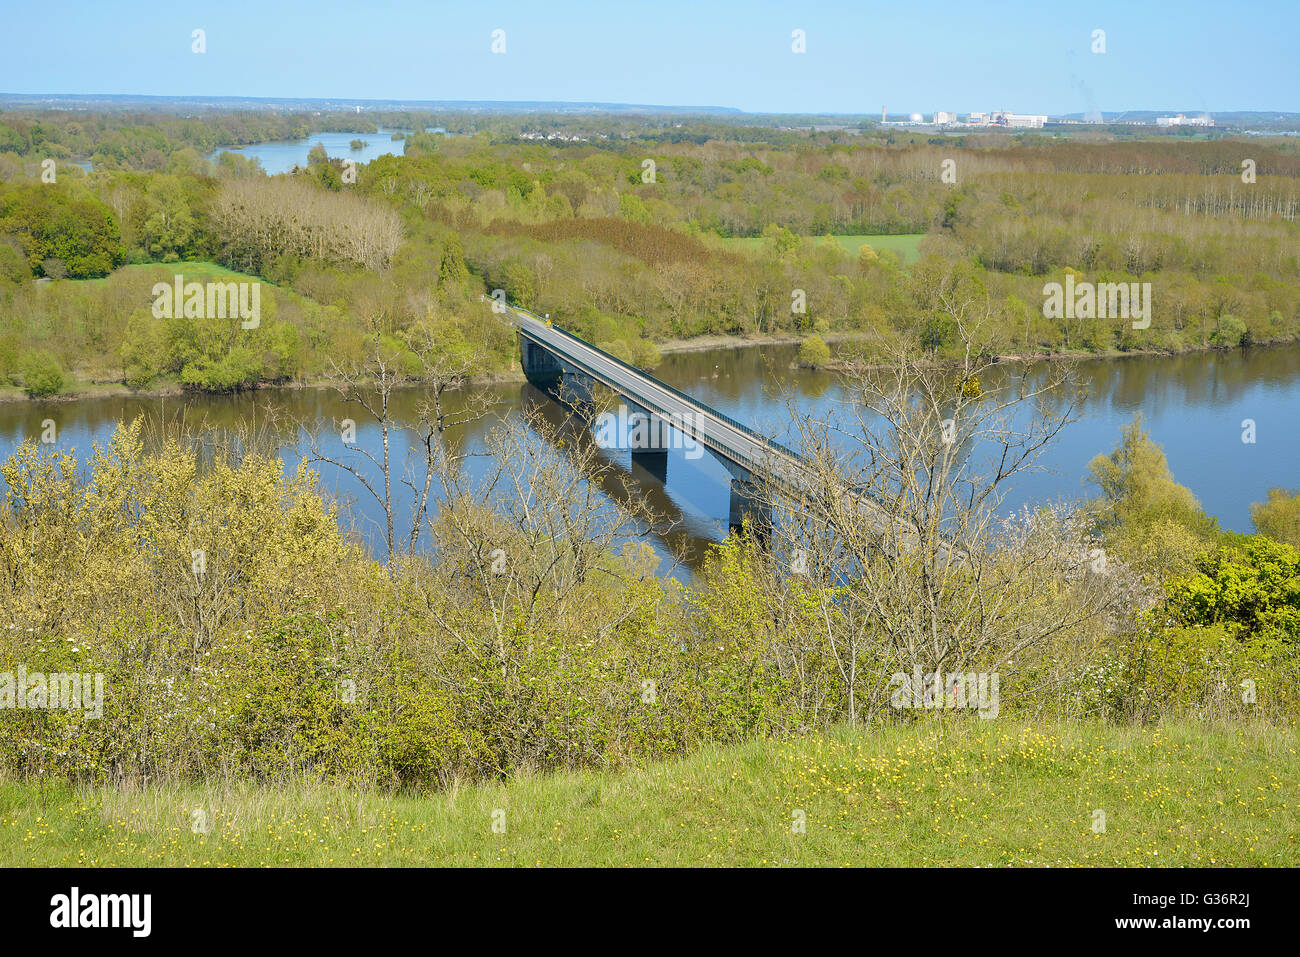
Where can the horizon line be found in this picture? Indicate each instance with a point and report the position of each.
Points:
(664, 108)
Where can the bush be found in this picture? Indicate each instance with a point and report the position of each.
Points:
(41, 372)
(1253, 589)
(1279, 517)
(1229, 333)
(1205, 671)
(814, 353)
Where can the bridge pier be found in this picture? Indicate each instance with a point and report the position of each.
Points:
(541, 367)
(749, 508)
(648, 441)
(550, 374)
(567, 368)
(574, 389)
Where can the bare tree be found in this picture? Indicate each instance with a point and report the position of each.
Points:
(370, 385)
(897, 537)
(543, 524)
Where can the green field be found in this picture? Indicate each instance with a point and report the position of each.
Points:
(969, 793)
(907, 245)
(192, 269)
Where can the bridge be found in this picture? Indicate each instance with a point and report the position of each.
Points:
(567, 367)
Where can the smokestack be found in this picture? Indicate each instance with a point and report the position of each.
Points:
(882, 115)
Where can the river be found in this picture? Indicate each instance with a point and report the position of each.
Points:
(1193, 405)
(281, 156)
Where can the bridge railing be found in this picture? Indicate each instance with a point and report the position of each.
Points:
(688, 399)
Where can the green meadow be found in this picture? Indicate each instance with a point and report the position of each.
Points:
(939, 793)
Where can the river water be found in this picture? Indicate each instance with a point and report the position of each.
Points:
(281, 156)
(1193, 405)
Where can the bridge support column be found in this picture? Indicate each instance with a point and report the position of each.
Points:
(648, 440)
(749, 508)
(541, 367)
(575, 390)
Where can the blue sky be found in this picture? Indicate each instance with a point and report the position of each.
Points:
(911, 56)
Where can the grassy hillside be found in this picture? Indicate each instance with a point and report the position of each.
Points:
(969, 793)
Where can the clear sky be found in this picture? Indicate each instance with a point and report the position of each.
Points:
(1029, 57)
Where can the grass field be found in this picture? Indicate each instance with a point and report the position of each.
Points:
(907, 245)
(193, 271)
(978, 793)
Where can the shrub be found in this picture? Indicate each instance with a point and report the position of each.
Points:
(1206, 671)
(1253, 589)
(1279, 517)
(41, 372)
(814, 353)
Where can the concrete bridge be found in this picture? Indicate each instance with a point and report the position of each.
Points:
(567, 367)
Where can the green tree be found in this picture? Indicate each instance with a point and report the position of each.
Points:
(1143, 514)
(41, 372)
(781, 240)
(1229, 332)
(169, 226)
(632, 209)
(13, 267)
(519, 283)
(1279, 517)
(814, 353)
(451, 270)
(143, 350)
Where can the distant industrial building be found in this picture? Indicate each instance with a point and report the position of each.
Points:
(1015, 121)
(1181, 120)
(999, 118)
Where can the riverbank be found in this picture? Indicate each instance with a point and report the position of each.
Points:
(92, 390)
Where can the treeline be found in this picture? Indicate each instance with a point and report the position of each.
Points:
(56, 233)
(145, 140)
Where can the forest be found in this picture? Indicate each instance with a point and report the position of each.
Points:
(651, 231)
